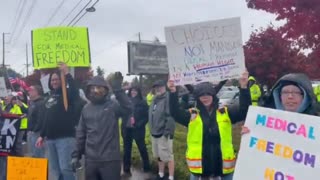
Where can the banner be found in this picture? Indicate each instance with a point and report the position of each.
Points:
(281, 145)
(55, 44)
(27, 168)
(10, 126)
(205, 51)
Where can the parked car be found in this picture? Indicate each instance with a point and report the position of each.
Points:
(228, 98)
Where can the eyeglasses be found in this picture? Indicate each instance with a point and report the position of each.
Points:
(293, 93)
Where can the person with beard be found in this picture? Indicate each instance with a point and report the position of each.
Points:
(97, 133)
(59, 124)
(210, 153)
(134, 129)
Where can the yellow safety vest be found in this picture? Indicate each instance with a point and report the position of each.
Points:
(255, 93)
(195, 140)
(17, 110)
(149, 98)
(317, 92)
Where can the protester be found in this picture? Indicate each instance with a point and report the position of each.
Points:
(35, 120)
(210, 152)
(13, 105)
(316, 91)
(150, 97)
(134, 129)
(255, 91)
(98, 129)
(59, 125)
(292, 92)
(162, 127)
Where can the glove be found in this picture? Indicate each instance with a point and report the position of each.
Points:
(116, 81)
(75, 164)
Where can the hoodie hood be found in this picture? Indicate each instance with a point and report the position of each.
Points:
(204, 88)
(308, 105)
(139, 95)
(96, 81)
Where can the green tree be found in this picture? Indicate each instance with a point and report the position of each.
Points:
(100, 71)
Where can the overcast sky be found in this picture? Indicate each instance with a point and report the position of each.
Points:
(114, 23)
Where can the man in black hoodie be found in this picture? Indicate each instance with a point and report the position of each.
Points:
(98, 130)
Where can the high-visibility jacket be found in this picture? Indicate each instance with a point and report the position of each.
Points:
(17, 110)
(317, 92)
(195, 140)
(149, 98)
(255, 93)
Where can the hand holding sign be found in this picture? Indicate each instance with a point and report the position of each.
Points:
(63, 68)
(243, 81)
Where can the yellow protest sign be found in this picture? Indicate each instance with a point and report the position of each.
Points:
(54, 44)
(23, 168)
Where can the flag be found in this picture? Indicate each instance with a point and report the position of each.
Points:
(12, 80)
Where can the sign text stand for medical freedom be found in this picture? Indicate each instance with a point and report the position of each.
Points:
(281, 145)
(205, 51)
(60, 44)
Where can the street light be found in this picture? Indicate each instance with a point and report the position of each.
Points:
(90, 9)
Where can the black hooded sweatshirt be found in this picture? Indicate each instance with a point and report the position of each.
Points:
(58, 122)
(211, 150)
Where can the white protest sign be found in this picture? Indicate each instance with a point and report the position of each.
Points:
(45, 83)
(205, 51)
(281, 145)
(3, 88)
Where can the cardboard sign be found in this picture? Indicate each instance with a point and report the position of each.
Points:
(27, 168)
(45, 83)
(10, 127)
(55, 44)
(280, 146)
(3, 87)
(205, 51)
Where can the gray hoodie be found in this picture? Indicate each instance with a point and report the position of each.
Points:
(309, 104)
(160, 120)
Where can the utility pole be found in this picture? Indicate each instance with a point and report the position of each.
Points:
(27, 60)
(3, 48)
(140, 75)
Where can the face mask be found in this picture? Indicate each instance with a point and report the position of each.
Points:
(97, 94)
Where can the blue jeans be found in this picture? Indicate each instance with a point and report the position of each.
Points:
(226, 177)
(35, 151)
(59, 153)
(3, 167)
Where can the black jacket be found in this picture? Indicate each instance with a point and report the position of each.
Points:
(36, 115)
(58, 122)
(97, 135)
(140, 114)
(211, 150)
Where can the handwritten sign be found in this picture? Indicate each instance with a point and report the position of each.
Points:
(9, 129)
(19, 168)
(3, 88)
(205, 51)
(280, 146)
(54, 44)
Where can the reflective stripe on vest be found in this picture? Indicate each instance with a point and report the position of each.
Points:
(195, 140)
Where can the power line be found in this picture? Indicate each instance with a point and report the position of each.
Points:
(79, 13)
(26, 19)
(17, 18)
(70, 12)
(84, 13)
(55, 12)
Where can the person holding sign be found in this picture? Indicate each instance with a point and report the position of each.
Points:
(59, 124)
(210, 153)
(98, 129)
(294, 93)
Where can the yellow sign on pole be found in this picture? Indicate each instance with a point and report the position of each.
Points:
(23, 168)
(55, 44)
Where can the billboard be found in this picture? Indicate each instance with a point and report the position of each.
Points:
(147, 58)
